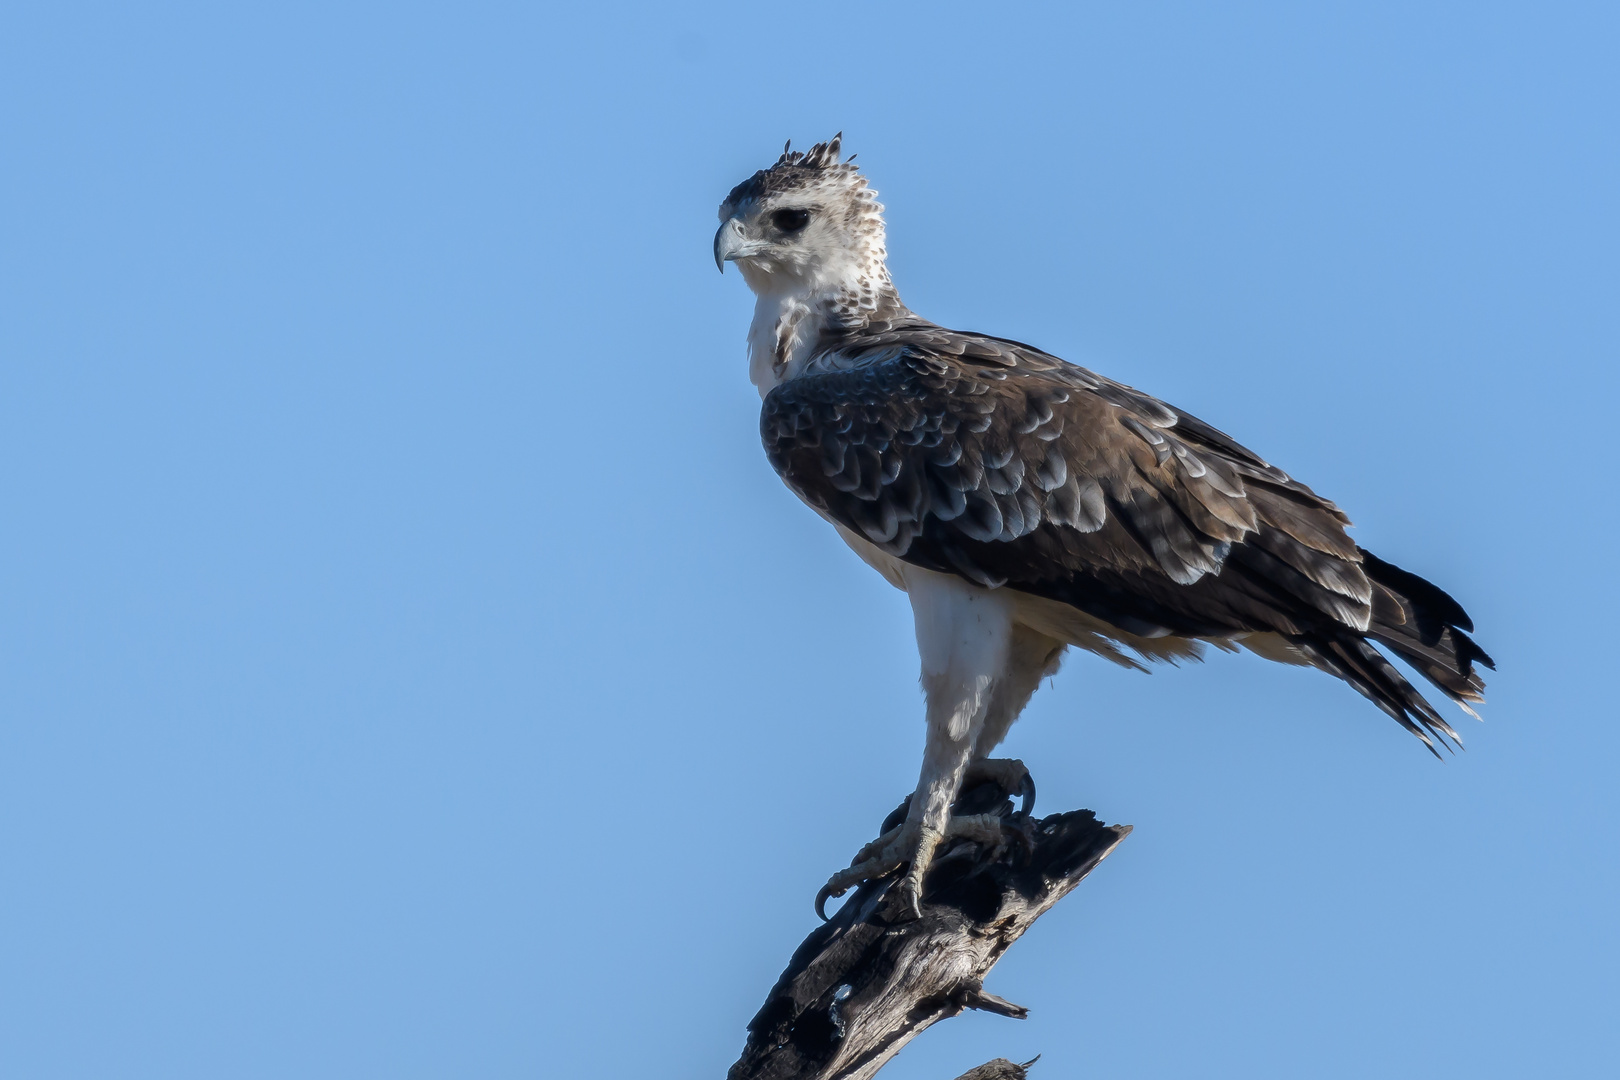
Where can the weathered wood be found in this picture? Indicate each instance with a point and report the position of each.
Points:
(864, 984)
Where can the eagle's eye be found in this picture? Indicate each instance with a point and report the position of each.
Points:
(790, 221)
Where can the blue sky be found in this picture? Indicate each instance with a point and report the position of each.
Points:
(410, 667)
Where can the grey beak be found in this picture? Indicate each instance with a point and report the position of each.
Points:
(730, 244)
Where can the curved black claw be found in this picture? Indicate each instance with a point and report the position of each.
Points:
(821, 903)
(907, 906)
(1026, 792)
(896, 816)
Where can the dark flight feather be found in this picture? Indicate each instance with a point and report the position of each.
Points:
(986, 458)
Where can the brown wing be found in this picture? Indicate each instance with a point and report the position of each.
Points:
(992, 460)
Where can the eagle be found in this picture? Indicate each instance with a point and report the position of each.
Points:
(1025, 504)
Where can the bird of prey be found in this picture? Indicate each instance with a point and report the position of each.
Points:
(1025, 504)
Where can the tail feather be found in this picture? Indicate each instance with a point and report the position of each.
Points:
(1433, 606)
(1355, 660)
(1421, 624)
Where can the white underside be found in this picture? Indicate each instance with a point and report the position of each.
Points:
(1047, 618)
(984, 652)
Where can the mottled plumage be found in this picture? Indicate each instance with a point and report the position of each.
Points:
(992, 460)
(1028, 504)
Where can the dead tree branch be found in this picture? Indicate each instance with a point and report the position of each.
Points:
(864, 984)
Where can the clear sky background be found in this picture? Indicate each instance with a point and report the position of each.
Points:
(410, 666)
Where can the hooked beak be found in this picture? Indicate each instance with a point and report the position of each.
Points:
(730, 244)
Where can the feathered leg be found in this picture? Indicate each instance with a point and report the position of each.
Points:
(965, 636)
(1031, 657)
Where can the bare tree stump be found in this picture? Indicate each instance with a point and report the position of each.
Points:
(864, 984)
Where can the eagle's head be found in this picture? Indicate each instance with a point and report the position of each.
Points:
(809, 226)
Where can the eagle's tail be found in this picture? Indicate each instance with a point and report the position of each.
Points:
(1421, 624)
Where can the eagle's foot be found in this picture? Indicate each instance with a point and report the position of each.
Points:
(877, 860)
(1009, 774)
(912, 846)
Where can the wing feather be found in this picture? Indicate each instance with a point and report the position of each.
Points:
(989, 459)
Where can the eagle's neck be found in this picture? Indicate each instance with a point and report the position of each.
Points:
(796, 319)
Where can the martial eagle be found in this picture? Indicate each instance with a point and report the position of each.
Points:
(1025, 504)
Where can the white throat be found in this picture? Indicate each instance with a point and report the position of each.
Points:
(794, 310)
(786, 328)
